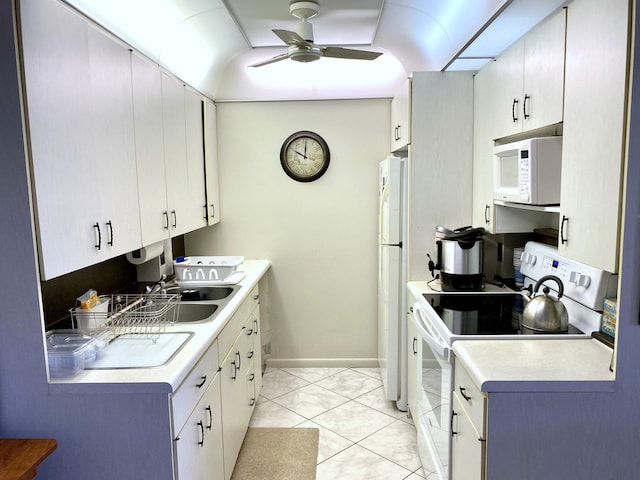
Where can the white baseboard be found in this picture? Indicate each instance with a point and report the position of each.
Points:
(322, 362)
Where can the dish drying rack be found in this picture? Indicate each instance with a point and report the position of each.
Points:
(139, 316)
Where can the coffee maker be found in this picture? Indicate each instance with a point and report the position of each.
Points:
(460, 254)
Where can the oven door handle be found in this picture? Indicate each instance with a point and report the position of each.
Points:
(437, 345)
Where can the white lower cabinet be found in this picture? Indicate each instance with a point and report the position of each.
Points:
(212, 408)
(468, 428)
(199, 446)
(241, 378)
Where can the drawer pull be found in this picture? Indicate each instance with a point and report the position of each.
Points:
(466, 397)
(208, 409)
(201, 442)
(202, 382)
(252, 402)
(453, 414)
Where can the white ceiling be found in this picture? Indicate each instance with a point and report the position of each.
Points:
(210, 43)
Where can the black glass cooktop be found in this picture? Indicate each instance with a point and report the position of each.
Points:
(482, 314)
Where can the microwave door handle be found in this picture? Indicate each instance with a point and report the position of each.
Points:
(436, 345)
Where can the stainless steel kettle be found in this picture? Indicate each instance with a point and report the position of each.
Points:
(544, 313)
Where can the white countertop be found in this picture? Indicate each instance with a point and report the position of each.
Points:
(165, 378)
(570, 365)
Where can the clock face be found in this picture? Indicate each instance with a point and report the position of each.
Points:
(304, 156)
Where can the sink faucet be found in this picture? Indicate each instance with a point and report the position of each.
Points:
(158, 287)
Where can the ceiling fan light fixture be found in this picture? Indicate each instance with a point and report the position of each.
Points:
(304, 55)
(303, 10)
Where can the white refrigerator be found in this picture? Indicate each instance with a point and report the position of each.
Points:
(392, 279)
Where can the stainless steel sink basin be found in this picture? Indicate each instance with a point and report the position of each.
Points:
(196, 312)
(210, 293)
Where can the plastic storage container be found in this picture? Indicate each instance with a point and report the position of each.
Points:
(68, 351)
(205, 269)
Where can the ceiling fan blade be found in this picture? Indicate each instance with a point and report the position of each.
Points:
(339, 52)
(292, 38)
(277, 58)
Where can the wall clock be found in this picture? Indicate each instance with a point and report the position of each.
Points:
(304, 156)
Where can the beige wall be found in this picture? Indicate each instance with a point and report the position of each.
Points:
(320, 236)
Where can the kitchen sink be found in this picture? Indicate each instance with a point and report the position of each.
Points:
(196, 312)
(209, 293)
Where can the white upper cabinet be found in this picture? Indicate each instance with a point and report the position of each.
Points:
(194, 124)
(211, 163)
(147, 109)
(401, 118)
(594, 131)
(529, 80)
(80, 121)
(184, 156)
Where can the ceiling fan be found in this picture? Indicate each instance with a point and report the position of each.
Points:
(300, 43)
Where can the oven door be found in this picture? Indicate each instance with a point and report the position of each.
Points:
(435, 362)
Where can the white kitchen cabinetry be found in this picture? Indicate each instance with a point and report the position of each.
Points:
(529, 80)
(440, 161)
(147, 110)
(468, 428)
(80, 120)
(412, 361)
(200, 446)
(197, 418)
(211, 163)
(533, 70)
(236, 367)
(401, 118)
(184, 156)
(593, 147)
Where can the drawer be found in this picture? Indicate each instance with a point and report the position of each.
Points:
(472, 399)
(230, 332)
(189, 392)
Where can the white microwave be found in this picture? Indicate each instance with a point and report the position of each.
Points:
(528, 171)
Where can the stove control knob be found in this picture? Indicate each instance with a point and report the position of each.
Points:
(584, 281)
(573, 277)
(529, 258)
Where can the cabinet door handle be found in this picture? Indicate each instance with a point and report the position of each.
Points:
(203, 380)
(563, 237)
(234, 375)
(513, 110)
(250, 355)
(415, 346)
(213, 211)
(397, 134)
(109, 233)
(96, 227)
(206, 212)
(239, 360)
(465, 396)
(453, 414)
(255, 330)
(208, 409)
(175, 218)
(166, 220)
(250, 332)
(252, 402)
(252, 377)
(201, 425)
(524, 106)
(487, 210)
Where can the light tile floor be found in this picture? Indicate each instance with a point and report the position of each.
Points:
(362, 435)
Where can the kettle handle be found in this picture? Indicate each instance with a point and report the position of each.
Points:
(555, 279)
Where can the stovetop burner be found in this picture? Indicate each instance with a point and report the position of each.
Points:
(483, 314)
